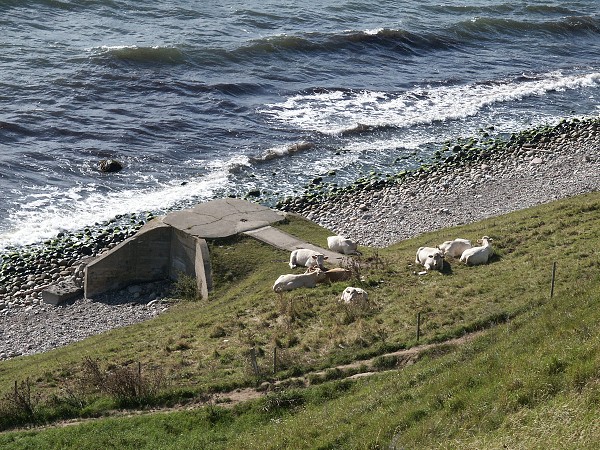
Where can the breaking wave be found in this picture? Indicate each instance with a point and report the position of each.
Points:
(338, 111)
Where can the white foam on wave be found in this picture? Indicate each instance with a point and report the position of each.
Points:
(110, 48)
(279, 151)
(229, 165)
(42, 215)
(373, 31)
(336, 111)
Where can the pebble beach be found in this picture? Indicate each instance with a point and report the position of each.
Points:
(562, 164)
(467, 184)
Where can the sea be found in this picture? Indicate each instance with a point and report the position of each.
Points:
(201, 100)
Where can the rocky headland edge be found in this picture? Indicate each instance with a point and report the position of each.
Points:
(468, 180)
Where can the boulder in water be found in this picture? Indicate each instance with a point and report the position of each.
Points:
(109, 165)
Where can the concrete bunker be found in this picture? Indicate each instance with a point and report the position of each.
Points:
(176, 244)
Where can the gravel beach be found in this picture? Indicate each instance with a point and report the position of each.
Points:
(554, 165)
(522, 176)
(41, 327)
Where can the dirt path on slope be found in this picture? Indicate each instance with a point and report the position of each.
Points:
(403, 358)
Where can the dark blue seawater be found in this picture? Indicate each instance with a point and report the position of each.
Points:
(205, 99)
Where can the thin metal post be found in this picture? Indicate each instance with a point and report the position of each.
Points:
(553, 278)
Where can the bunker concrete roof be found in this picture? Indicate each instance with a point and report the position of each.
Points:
(222, 218)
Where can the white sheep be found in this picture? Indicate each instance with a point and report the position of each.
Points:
(306, 258)
(478, 255)
(342, 245)
(291, 281)
(455, 248)
(431, 258)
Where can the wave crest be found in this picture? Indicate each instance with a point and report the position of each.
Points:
(134, 53)
(488, 27)
(283, 151)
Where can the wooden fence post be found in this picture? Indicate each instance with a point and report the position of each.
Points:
(139, 378)
(253, 360)
(553, 278)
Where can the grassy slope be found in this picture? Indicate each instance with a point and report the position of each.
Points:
(533, 380)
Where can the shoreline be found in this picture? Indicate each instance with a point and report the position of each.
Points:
(557, 162)
(473, 182)
(470, 180)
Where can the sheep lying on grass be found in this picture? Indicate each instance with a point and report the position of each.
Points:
(342, 245)
(291, 281)
(455, 248)
(306, 258)
(478, 255)
(430, 257)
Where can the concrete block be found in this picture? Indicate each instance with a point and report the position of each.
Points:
(61, 292)
(182, 254)
(189, 256)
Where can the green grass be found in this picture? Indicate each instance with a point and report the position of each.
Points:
(539, 362)
(497, 390)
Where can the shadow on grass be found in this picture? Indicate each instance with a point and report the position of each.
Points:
(447, 268)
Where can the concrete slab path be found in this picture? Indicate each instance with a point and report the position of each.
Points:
(285, 241)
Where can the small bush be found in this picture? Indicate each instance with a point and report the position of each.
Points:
(182, 345)
(186, 288)
(285, 400)
(378, 262)
(128, 386)
(19, 406)
(353, 265)
(217, 332)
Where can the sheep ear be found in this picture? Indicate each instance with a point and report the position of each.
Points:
(325, 257)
